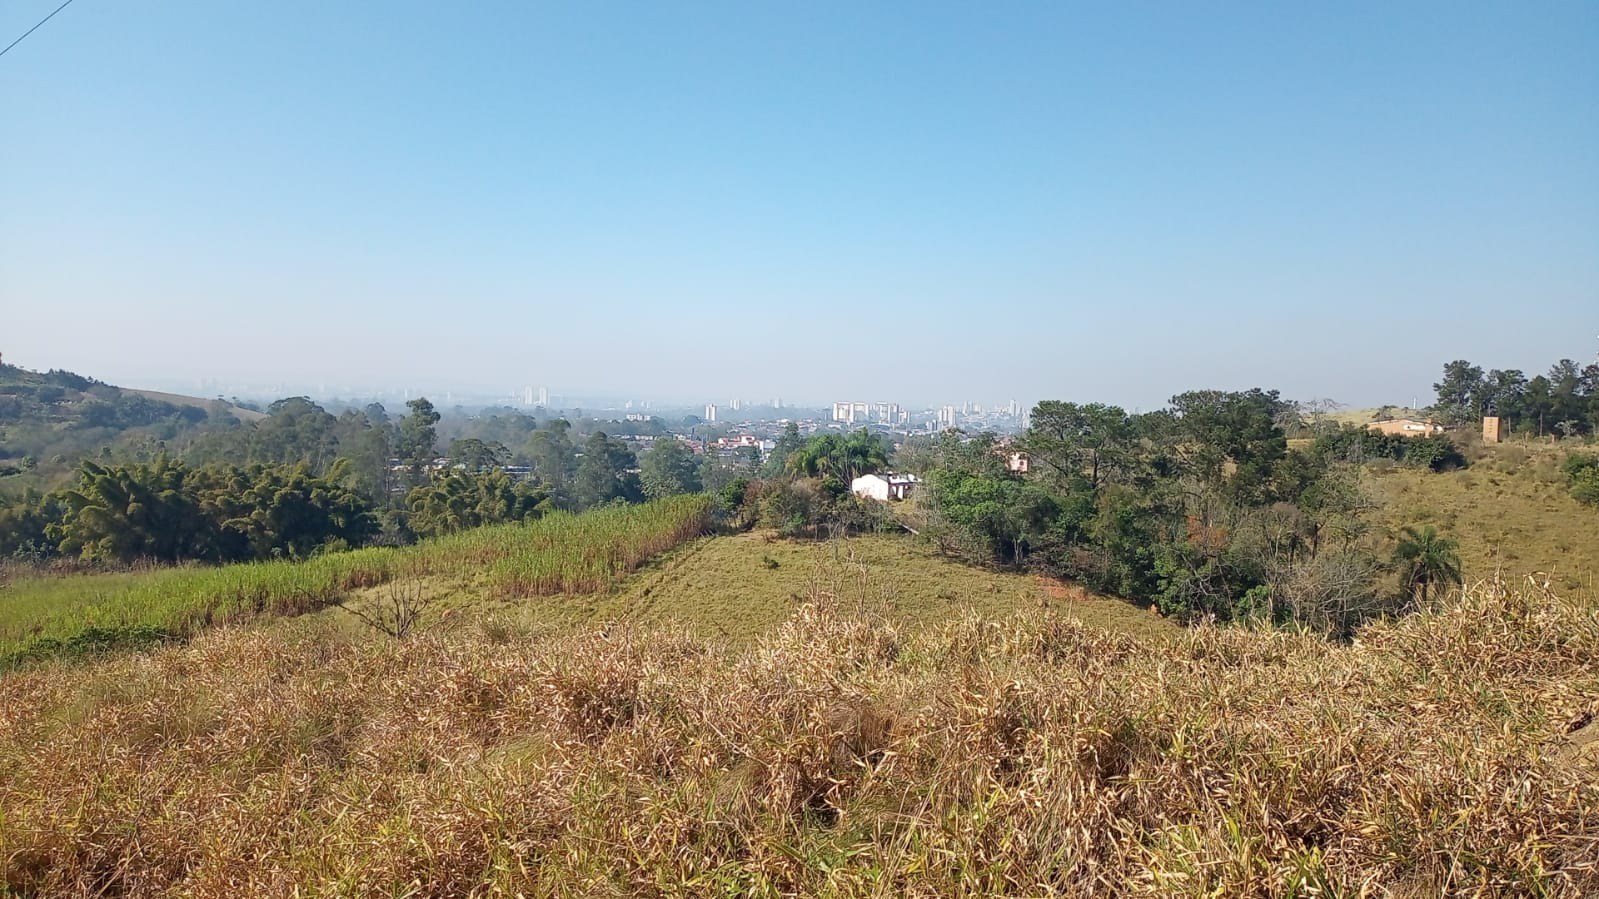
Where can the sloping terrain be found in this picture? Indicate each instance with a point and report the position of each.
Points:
(179, 399)
(50, 420)
(739, 587)
(1511, 511)
(836, 755)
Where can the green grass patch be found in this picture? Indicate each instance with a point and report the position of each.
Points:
(561, 553)
(740, 587)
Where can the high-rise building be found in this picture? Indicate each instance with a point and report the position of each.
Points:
(851, 413)
(527, 396)
(710, 411)
(544, 397)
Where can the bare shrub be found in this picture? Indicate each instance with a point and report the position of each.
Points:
(397, 610)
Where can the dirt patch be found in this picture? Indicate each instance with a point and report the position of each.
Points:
(1581, 742)
(1063, 592)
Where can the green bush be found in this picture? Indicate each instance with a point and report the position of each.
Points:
(1582, 472)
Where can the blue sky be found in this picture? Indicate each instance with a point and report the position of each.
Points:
(898, 201)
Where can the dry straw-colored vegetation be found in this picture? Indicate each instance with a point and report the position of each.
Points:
(1031, 755)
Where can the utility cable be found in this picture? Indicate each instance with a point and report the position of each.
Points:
(34, 28)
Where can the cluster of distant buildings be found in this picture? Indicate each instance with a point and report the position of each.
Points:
(1492, 428)
(860, 413)
(893, 415)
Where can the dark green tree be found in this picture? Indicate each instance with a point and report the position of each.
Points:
(477, 455)
(122, 513)
(263, 512)
(1231, 442)
(841, 457)
(417, 439)
(788, 443)
(1086, 444)
(1460, 393)
(669, 468)
(606, 472)
(553, 459)
(462, 500)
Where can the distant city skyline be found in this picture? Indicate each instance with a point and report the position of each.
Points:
(463, 392)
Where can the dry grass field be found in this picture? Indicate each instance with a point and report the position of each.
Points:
(745, 716)
(1511, 511)
(836, 755)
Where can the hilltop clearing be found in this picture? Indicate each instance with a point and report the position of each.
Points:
(742, 586)
(178, 399)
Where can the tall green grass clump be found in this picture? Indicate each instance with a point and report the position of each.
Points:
(563, 553)
(588, 553)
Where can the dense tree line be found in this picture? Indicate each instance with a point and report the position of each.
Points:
(300, 481)
(168, 511)
(1199, 508)
(1435, 452)
(236, 492)
(1563, 402)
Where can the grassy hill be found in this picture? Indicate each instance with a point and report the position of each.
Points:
(179, 399)
(606, 705)
(737, 588)
(561, 555)
(1511, 512)
(732, 588)
(1364, 416)
(50, 420)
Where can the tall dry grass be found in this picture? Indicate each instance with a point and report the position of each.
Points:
(834, 757)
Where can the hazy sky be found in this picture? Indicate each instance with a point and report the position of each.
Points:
(907, 201)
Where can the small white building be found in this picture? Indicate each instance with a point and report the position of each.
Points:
(884, 487)
(1406, 427)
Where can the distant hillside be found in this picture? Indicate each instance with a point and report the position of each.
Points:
(49, 420)
(178, 399)
(1363, 416)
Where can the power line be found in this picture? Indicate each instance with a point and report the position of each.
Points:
(35, 28)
